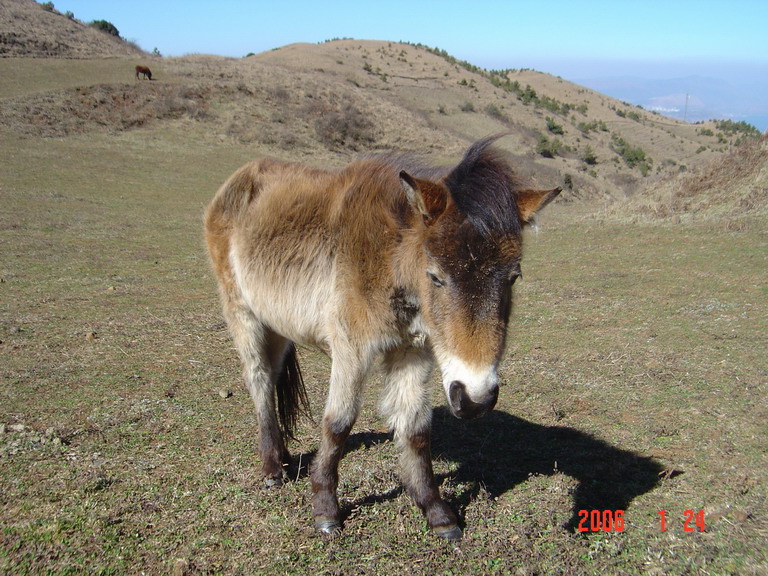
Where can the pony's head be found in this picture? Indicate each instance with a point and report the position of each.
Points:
(471, 224)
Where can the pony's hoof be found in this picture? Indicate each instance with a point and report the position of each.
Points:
(450, 532)
(327, 526)
(273, 482)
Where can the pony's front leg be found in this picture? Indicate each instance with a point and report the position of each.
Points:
(409, 412)
(341, 410)
(325, 476)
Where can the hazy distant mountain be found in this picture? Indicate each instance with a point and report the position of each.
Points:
(693, 98)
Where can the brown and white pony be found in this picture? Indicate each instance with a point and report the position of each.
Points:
(145, 71)
(383, 259)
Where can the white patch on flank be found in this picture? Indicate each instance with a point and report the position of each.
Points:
(299, 311)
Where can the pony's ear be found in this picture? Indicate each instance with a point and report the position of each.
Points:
(529, 202)
(427, 198)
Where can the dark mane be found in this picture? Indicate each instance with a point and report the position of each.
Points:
(483, 185)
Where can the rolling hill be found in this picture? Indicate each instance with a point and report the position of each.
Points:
(27, 30)
(326, 103)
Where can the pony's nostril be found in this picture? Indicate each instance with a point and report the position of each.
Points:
(456, 392)
(462, 406)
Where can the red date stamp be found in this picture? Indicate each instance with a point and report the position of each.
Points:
(613, 521)
(601, 521)
(692, 521)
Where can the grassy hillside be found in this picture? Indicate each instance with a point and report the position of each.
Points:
(331, 101)
(28, 29)
(584, 133)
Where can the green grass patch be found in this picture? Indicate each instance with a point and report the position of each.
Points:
(634, 379)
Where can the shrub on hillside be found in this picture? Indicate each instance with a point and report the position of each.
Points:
(105, 26)
(731, 127)
(341, 124)
(742, 131)
(554, 127)
(589, 157)
(634, 157)
(548, 148)
(494, 112)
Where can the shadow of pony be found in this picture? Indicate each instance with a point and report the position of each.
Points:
(499, 451)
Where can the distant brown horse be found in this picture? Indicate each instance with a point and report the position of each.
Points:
(145, 71)
(387, 259)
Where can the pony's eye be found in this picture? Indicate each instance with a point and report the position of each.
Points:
(435, 280)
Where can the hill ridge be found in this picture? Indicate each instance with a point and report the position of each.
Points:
(327, 102)
(30, 30)
(558, 127)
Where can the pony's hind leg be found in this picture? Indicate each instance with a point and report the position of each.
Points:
(261, 352)
(272, 438)
(407, 407)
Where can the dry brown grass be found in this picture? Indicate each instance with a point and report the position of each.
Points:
(30, 30)
(745, 163)
(732, 189)
(110, 107)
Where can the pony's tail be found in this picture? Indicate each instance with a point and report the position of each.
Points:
(292, 401)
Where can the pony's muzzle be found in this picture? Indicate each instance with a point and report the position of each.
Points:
(464, 407)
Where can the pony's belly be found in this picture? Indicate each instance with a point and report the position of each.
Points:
(297, 310)
(301, 321)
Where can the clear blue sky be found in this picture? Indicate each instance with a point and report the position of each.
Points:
(492, 34)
